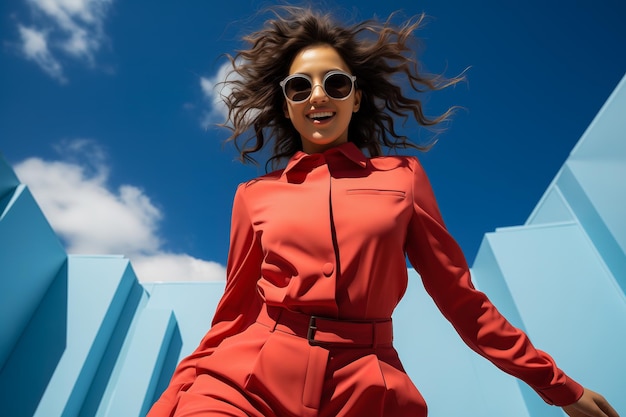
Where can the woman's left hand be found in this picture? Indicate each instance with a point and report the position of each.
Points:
(591, 404)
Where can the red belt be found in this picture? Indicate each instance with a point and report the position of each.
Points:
(322, 331)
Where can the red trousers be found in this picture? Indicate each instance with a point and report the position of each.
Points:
(287, 364)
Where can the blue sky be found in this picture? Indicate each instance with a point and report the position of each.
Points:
(104, 108)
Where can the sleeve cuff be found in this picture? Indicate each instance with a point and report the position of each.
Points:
(564, 394)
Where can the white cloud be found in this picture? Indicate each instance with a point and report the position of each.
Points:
(87, 151)
(72, 28)
(214, 90)
(91, 218)
(35, 48)
(177, 267)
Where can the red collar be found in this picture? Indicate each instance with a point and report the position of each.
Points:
(348, 150)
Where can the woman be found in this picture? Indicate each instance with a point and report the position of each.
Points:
(317, 253)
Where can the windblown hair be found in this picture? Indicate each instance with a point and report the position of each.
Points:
(374, 51)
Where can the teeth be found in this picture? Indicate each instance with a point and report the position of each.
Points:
(321, 114)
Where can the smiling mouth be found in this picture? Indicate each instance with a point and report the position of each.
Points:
(320, 116)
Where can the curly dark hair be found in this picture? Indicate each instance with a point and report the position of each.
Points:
(374, 51)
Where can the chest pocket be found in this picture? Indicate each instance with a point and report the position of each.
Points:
(377, 191)
(376, 215)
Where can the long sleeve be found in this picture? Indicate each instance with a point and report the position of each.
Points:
(446, 276)
(237, 309)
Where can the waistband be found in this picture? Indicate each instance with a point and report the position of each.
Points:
(323, 331)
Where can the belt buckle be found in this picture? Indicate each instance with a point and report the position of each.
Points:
(310, 334)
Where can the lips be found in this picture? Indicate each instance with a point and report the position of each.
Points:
(320, 116)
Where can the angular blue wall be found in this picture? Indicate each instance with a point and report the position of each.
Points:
(562, 275)
(82, 337)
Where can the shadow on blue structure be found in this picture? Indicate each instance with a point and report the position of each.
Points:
(28, 370)
(97, 388)
(170, 361)
(598, 231)
(31, 256)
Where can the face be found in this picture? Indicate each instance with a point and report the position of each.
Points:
(322, 121)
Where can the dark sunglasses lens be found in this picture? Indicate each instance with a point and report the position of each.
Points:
(298, 89)
(338, 86)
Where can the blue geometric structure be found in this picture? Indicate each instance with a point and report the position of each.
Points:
(82, 337)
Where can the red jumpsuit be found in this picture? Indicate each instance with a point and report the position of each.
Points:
(327, 236)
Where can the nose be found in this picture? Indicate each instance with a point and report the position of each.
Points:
(318, 94)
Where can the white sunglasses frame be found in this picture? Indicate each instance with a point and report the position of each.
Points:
(284, 82)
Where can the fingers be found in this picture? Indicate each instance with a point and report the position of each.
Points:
(604, 405)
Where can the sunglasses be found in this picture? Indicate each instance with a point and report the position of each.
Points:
(337, 85)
